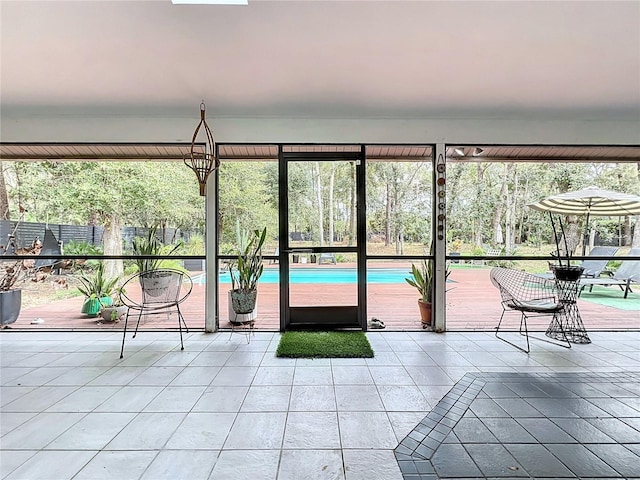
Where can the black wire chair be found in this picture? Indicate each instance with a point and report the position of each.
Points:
(162, 292)
(532, 296)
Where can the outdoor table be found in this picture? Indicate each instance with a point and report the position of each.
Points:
(569, 320)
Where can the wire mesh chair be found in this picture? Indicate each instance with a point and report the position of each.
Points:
(532, 296)
(161, 292)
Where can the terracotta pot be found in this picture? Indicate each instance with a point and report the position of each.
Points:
(425, 312)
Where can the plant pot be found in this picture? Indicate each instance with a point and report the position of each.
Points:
(91, 306)
(10, 304)
(425, 312)
(240, 317)
(567, 273)
(107, 315)
(243, 301)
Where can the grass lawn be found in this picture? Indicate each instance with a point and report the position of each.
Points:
(304, 344)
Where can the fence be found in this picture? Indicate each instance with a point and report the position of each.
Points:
(28, 232)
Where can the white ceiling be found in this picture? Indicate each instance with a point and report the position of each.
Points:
(351, 59)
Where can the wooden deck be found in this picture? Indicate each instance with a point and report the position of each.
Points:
(473, 303)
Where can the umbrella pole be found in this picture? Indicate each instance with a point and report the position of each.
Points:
(555, 237)
(585, 237)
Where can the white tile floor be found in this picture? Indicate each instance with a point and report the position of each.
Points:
(222, 409)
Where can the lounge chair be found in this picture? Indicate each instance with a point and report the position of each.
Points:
(594, 268)
(627, 273)
(327, 258)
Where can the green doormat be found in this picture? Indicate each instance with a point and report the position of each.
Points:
(324, 345)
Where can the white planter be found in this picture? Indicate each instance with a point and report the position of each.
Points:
(238, 317)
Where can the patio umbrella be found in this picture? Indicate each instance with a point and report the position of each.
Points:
(590, 201)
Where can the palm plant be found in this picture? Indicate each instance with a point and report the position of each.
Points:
(98, 286)
(248, 268)
(151, 245)
(422, 280)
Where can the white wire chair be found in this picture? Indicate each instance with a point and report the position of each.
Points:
(162, 292)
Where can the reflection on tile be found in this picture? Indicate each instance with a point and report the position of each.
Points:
(257, 431)
(221, 399)
(311, 430)
(123, 465)
(206, 431)
(181, 464)
(311, 464)
(246, 465)
(47, 465)
(147, 431)
(366, 430)
(92, 432)
(371, 465)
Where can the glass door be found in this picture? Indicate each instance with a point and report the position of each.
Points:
(322, 258)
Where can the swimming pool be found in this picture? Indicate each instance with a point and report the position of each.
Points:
(330, 275)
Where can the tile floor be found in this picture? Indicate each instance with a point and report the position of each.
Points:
(224, 409)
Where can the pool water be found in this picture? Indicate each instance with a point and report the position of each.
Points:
(330, 275)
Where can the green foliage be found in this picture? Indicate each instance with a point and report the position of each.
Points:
(248, 268)
(422, 279)
(151, 245)
(73, 247)
(96, 285)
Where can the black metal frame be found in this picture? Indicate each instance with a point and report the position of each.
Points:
(324, 316)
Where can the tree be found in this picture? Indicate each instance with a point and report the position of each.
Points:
(111, 194)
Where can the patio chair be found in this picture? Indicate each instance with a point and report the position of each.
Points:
(327, 258)
(627, 273)
(531, 296)
(594, 268)
(50, 246)
(162, 292)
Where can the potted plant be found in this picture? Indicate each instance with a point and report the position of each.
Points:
(11, 297)
(97, 289)
(116, 310)
(422, 280)
(563, 270)
(153, 284)
(151, 245)
(245, 273)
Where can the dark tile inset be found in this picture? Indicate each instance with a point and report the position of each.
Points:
(538, 461)
(472, 430)
(545, 431)
(544, 425)
(453, 461)
(616, 429)
(582, 431)
(494, 460)
(581, 461)
(507, 430)
(618, 457)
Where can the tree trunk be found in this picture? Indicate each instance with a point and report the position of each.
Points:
(112, 241)
(387, 217)
(496, 225)
(319, 205)
(4, 198)
(477, 233)
(353, 210)
(331, 221)
(635, 243)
